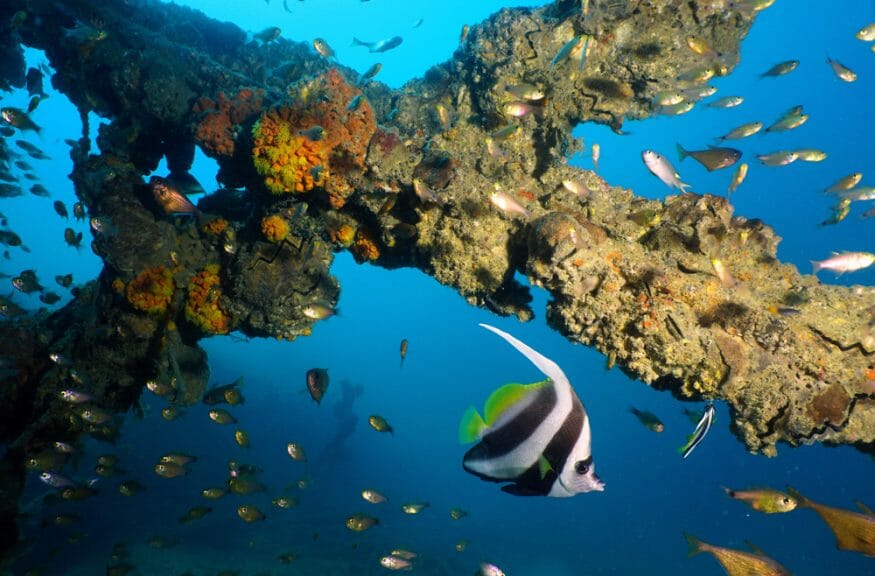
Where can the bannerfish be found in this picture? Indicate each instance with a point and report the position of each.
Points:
(700, 432)
(660, 167)
(714, 158)
(535, 436)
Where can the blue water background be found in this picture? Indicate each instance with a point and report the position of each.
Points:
(652, 496)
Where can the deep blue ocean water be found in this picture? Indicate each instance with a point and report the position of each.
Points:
(652, 495)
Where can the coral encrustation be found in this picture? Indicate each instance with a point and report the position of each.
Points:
(220, 119)
(151, 290)
(202, 303)
(274, 228)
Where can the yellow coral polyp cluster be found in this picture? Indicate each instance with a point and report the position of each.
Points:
(151, 290)
(365, 246)
(289, 163)
(202, 303)
(215, 227)
(274, 228)
(343, 235)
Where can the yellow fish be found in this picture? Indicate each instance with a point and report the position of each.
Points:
(736, 562)
(853, 531)
(764, 500)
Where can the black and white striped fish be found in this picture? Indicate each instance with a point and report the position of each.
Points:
(535, 436)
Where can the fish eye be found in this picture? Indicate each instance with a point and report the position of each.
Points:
(582, 466)
(786, 500)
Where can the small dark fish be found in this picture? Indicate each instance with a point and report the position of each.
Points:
(28, 147)
(221, 416)
(7, 131)
(72, 238)
(170, 470)
(226, 394)
(355, 103)
(33, 104)
(9, 238)
(195, 513)
(700, 432)
(22, 165)
(9, 309)
(40, 190)
(103, 226)
(268, 34)
(49, 298)
(249, 513)
(317, 383)
(34, 82)
(185, 183)
(380, 424)
(380, 45)
(648, 419)
(18, 118)
(361, 522)
(171, 200)
(31, 176)
(714, 158)
(61, 210)
(370, 73)
(403, 350)
(10, 190)
(27, 282)
(314, 133)
(79, 211)
(780, 69)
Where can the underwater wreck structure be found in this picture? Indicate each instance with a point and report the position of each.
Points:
(315, 160)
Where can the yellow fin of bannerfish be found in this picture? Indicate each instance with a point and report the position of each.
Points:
(544, 466)
(471, 427)
(506, 396)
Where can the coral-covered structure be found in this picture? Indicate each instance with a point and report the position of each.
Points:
(300, 142)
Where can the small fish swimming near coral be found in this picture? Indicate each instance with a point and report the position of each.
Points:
(535, 436)
(508, 204)
(27, 282)
(18, 118)
(702, 428)
(395, 563)
(61, 209)
(361, 522)
(844, 262)
(225, 394)
(318, 311)
(780, 158)
(249, 513)
(380, 45)
(648, 419)
(743, 131)
(843, 72)
(727, 102)
(573, 49)
(737, 177)
(737, 562)
(322, 48)
(780, 69)
(764, 500)
(373, 496)
(853, 531)
(296, 452)
(221, 416)
(487, 569)
(380, 424)
(79, 211)
(317, 383)
(268, 34)
(172, 201)
(660, 167)
(403, 351)
(714, 158)
(845, 182)
(314, 133)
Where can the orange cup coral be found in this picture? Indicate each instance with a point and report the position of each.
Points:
(274, 228)
(151, 290)
(202, 303)
(289, 163)
(365, 246)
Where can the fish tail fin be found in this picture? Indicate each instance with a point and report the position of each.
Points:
(682, 154)
(684, 187)
(816, 266)
(695, 545)
(357, 42)
(471, 426)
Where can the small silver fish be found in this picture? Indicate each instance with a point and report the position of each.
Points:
(781, 158)
(842, 71)
(322, 47)
(508, 204)
(660, 167)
